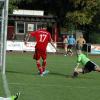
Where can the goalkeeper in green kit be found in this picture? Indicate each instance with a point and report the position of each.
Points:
(88, 65)
(14, 97)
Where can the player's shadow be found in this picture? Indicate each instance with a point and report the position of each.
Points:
(60, 74)
(51, 73)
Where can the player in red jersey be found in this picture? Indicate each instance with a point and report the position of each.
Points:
(43, 37)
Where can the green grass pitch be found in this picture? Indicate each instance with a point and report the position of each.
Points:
(22, 75)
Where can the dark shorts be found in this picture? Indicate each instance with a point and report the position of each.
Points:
(90, 66)
(78, 47)
(39, 54)
(69, 46)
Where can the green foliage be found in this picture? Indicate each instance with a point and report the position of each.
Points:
(83, 11)
(12, 5)
(79, 17)
(74, 12)
(95, 38)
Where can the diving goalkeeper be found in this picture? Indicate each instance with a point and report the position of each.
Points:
(14, 97)
(88, 65)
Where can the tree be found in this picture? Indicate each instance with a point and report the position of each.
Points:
(83, 11)
(78, 12)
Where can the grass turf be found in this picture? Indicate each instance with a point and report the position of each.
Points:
(22, 75)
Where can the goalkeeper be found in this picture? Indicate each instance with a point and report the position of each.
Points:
(88, 65)
(14, 97)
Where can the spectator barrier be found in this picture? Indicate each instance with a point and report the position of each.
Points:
(20, 46)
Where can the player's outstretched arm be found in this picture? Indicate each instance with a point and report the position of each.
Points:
(76, 71)
(27, 39)
(52, 43)
(76, 67)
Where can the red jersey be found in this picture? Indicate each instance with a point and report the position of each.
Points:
(42, 38)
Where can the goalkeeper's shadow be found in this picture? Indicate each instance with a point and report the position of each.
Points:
(60, 74)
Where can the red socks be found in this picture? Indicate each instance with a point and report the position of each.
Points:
(39, 67)
(44, 65)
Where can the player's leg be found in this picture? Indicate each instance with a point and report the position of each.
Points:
(93, 66)
(97, 68)
(68, 50)
(71, 52)
(39, 66)
(90, 66)
(78, 47)
(65, 49)
(44, 68)
(44, 63)
(37, 58)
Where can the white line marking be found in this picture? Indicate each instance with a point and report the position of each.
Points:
(52, 85)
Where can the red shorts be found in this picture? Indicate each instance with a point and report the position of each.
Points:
(40, 54)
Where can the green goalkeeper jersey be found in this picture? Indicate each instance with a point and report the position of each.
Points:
(82, 58)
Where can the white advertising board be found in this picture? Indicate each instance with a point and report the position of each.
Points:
(28, 12)
(95, 49)
(14, 45)
(30, 46)
(20, 46)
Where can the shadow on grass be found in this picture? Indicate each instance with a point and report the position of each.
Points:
(19, 72)
(36, 74)
(82, 77)
(61, 74)
(51, 73)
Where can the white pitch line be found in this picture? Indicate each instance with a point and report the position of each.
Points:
(52, 85)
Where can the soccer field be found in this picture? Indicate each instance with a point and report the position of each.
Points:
(22, 76)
